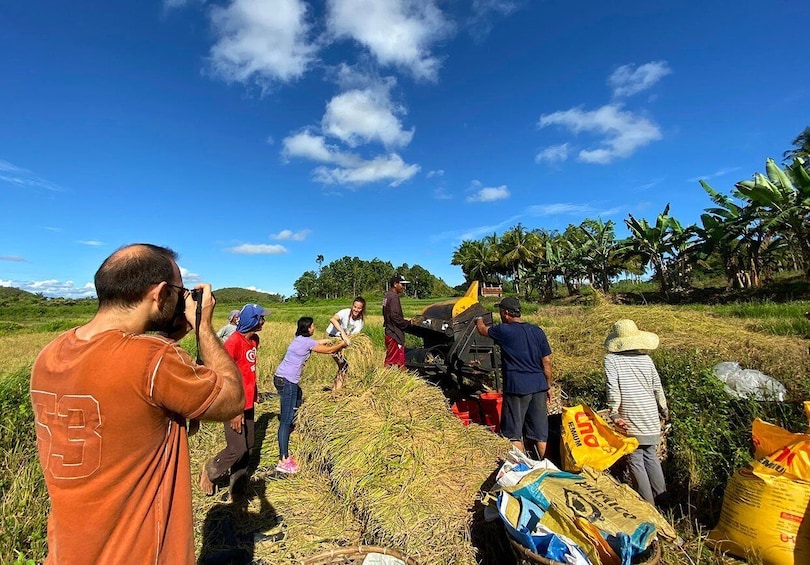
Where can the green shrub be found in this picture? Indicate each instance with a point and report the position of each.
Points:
(711, 431)
(590, 389)
(24, 505)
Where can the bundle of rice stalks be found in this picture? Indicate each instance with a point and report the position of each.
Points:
(397, 458)
(361, 356)
(312, 519)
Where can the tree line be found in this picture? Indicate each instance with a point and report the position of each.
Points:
(762, 227)
(348, 277)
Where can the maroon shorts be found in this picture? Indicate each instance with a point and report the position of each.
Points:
(394, 352)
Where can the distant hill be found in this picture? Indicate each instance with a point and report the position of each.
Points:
(233, 295)
(11, 294)
(16, 297)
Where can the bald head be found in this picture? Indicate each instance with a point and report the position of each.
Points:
(126, 276)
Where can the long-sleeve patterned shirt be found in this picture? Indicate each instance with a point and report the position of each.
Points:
(635, 394)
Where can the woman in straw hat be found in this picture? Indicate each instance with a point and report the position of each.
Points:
(637, 402)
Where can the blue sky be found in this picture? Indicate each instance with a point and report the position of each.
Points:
(253, 135)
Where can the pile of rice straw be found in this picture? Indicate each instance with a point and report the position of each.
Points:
(401, 463)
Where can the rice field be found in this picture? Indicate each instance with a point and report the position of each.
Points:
(384, 462)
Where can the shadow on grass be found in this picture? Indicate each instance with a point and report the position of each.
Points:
(231, 529)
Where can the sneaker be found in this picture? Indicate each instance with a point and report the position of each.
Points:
(292, 466)
(288, 466)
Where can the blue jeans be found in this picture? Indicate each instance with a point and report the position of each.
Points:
(291, 397)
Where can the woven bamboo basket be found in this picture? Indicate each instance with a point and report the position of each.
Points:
(355, 556)
(651, 556)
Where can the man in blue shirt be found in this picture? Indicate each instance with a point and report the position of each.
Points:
(526, 358)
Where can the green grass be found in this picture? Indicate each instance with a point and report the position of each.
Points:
(24, 504)
(785, 319)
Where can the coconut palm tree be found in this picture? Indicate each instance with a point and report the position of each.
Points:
(476, 258)
(518, 251)
(801, 147)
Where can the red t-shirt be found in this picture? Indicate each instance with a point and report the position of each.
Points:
(243, 352)
(110, 421)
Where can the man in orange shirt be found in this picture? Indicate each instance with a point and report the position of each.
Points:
(111, 404)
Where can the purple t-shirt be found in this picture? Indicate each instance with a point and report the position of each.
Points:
(297, 354)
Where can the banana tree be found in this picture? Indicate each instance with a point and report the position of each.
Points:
(782, 199)
(656, 245)
(599, 252)
(736, 235)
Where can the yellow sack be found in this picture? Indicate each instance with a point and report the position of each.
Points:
(598, 498)
(764, 515)
(765, 505)
(589, 441)
(780, 452)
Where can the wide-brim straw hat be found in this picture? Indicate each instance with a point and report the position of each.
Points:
(625, 336)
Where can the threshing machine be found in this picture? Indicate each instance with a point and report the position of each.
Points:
(452, 347)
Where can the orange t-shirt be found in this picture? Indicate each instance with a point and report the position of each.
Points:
(110, 420)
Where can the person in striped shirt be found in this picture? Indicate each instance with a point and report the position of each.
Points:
(637, 403)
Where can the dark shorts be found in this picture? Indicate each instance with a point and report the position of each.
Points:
(394, 352)
(524, 415)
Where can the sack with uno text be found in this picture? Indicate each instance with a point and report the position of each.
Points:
(587, 440)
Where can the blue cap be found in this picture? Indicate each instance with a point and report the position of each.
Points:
(249, 317)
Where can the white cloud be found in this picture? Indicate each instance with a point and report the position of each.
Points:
(256, 289)
(53, 288)
(488, 194)
(484, 12)
(18, 176)
(559, 209)
(626, 81)
(189, 278)
(90, 242)
(436, 173)
(355, 117)
(174, 4)
(442, 194)
(396, 32)
(261, 40)
(351, 170)
(362, 116)
(258, 249)
(481, 231)
(14, 258)
(310, 146)
(714, 175)
(623, 132)
(553, 154)
(382, 168)
(290, 235)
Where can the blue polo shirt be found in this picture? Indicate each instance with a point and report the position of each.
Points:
(523, 347)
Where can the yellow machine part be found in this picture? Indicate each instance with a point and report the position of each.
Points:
(470, 298)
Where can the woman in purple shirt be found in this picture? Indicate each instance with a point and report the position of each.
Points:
(286, 379)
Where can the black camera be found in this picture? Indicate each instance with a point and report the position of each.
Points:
(197, 294)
